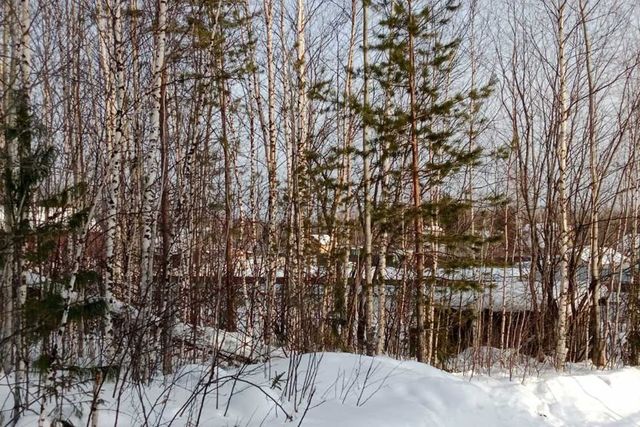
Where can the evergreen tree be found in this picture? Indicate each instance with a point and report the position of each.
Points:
(423, 119)
(34, 242)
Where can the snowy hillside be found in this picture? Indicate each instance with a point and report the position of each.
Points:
(339, 389)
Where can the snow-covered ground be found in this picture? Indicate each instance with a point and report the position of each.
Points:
(339, 389)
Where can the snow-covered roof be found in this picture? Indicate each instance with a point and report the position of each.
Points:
(610, 257)
(505, 288)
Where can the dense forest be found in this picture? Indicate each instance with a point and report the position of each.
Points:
(213, 181)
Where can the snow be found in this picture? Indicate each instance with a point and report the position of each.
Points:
(31, 278)
(231, 344)
(341, 389)
(501, 288)
(506, 288)
(323, 240)
(610, 257)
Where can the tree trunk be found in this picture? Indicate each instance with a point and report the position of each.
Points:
(366, 179)
(561, 154)
(418, 228)
(272, 237)
(598, 356)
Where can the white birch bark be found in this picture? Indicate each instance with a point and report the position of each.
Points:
(7, 271)
(561, 154)
(598, 356)
(111, 59)
(22, 93)
(152, 159)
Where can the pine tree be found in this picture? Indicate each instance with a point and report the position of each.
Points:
(424, 121)
(39, 224)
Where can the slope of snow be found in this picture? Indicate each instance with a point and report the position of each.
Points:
(233, 344)
(339, 389)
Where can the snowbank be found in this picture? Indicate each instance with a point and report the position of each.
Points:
(349, 390)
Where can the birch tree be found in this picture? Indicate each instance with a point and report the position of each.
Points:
(563, 205)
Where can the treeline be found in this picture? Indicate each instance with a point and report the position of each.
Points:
(412, 178)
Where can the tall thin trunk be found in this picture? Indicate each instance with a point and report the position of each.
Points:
(343, 241)
(229, 286)
(7, 270)
(115, 121)
(152, 191)
(20, 93)
(563, 204)
(152, 159)
(288, 134)
(300, 195)
(598, 356)
(113, 69)
(418, 227)
(272, 238)
(384, 239)
(366, 178)
(19, 98)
